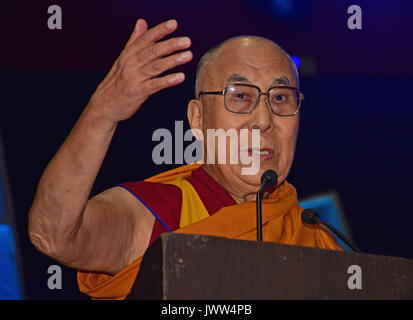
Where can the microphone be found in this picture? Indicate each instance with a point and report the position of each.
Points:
(310, 216)
(268, 179)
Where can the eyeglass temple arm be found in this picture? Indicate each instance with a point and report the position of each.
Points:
(211, 92)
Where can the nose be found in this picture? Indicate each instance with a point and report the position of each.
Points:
(261, 116)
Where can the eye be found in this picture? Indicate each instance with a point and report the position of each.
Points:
(279, 98)
(241, 96)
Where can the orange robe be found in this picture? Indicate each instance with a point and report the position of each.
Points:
(281, 218)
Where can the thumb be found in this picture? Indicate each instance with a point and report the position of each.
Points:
(140, 27)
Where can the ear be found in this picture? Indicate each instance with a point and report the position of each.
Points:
(194, 113)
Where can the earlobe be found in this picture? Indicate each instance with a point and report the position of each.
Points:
(194, 113)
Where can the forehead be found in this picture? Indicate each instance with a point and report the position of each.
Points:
(258, 60)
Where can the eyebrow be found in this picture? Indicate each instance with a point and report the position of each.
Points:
(283, 80)
(237, 78)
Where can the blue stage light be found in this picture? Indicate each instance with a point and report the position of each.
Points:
(282, 9)
(9, 276)
(297, 61)
(327, 205)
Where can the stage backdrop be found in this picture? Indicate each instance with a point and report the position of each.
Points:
(355, 134)
(354, 139)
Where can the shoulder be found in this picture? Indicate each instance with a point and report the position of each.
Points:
(152, 192)
(163, 201)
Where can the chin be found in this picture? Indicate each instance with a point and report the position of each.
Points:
(254, 180)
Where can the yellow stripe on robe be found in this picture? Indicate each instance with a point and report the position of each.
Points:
(281, 223)
(193, 210)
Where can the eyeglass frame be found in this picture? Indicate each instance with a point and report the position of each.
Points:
(260, 93)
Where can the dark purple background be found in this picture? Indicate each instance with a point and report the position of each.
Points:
(94, 32)
(355, 134)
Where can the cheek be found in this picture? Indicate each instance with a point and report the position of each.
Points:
(220, 118)
(288, 131)
(227, 146)
(291, 135)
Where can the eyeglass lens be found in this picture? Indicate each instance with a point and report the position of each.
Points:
(242, 99)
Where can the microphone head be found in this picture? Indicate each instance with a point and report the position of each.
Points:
(269, 178)
(310, 216)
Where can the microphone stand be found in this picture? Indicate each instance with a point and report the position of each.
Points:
(340, 235)
(259, 211)
(310, 216)
(268, 179)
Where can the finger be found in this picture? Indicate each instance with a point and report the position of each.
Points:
(156, 33)
(140, 27)
(159, 66)
(164, 48)
(156, 84)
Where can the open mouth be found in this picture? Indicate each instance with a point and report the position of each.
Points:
(263, 153)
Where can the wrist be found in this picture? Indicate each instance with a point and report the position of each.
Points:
(95, 115)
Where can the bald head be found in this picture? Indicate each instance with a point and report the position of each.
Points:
(256, 62)
(208, 60)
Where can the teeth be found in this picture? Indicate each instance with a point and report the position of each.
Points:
(261, 153)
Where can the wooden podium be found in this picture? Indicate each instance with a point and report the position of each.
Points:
(193, 267)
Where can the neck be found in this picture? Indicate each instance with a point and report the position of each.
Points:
(250, 197)
(238, 190)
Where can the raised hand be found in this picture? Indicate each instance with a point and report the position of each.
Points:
(109, 231)
(135, 75)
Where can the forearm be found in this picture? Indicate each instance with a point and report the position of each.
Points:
(65, 186)
(105, 235)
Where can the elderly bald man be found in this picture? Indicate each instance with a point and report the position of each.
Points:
(107, 235)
